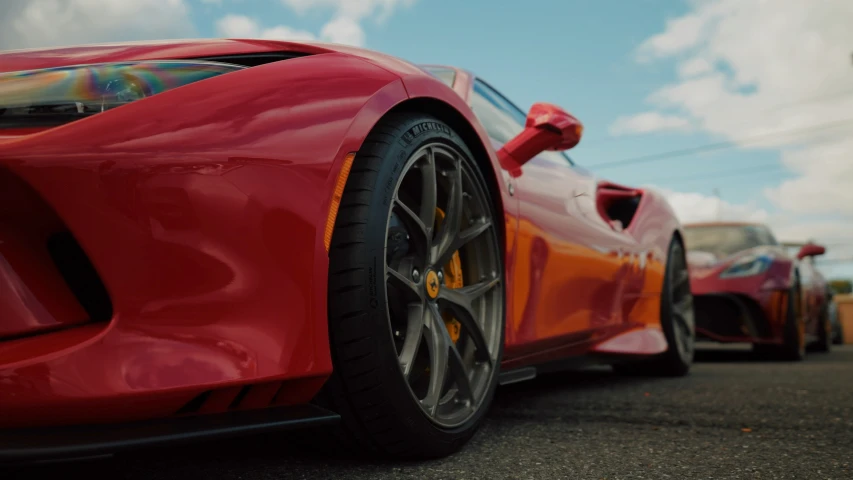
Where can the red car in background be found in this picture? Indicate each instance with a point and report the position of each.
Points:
(748, 288)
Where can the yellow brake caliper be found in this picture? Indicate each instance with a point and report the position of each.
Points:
(452, 279)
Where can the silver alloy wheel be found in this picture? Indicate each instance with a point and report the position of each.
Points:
(448, 379)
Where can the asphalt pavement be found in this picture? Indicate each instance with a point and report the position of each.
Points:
(733, 417)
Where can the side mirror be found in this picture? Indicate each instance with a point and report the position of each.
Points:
(548, 127)
(810, 250)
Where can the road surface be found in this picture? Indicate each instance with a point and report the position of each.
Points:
(733, 417)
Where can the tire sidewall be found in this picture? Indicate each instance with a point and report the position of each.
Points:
(794, 340)
(672, 356)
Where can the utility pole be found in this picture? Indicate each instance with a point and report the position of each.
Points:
(719, 204)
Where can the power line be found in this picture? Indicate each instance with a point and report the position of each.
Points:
(718, 146)
(762, 168)
(802, 101)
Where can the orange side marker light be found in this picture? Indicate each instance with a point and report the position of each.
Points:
(336, 199)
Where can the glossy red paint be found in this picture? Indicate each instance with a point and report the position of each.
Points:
(764, 295)
(203, 208)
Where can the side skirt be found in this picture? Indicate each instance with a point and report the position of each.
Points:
(51, 443)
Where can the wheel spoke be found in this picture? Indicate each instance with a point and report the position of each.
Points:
(681, 278)
(683, 311)
(460, 302)
(414, 336)
(438, 342)
(460, 376)
(443, 252)
(449, 231)
(429, 194)
(422, 232)
(404, 283)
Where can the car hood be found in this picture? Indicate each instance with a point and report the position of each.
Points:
(702, 261)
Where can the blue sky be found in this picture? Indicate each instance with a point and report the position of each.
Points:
(645, 76)
(577, 54)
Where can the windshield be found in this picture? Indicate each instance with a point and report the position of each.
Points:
(725, 240)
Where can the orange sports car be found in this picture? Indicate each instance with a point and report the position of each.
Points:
(216, 237)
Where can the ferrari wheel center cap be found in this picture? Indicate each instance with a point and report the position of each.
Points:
(432, 284)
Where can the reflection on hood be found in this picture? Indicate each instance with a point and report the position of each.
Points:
(700, 259)
(703, 259)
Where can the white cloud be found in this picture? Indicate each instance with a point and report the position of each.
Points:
(825, 184)
(758, 67)
(680, 34)
(693, 207)
(45, 23)
(649, 122)
(352, 9)
(695, 66)
(343, 30)
(241, 26)
(344, 27)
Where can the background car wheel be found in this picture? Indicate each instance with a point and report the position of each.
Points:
(838, 335)
(677, 320)
(416, 293)
(824, 334)
(793, 348)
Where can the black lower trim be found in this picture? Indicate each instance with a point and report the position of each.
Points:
(731, 315)
(517, 375)
(23, 445)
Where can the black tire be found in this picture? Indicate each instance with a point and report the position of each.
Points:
(793, 348)
(380, 412)
(677, 320)
(838, 335)
(837, 329)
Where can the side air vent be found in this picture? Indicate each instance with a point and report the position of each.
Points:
(618, 204)
(80, 275)
(253, 59)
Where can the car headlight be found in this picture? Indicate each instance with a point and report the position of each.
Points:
(747, 266)
(63, 94)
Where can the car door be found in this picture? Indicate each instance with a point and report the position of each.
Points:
(571, 264)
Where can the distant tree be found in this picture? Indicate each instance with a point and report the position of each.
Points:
(841, 286)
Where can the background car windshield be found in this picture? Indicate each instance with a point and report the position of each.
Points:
(725, 240)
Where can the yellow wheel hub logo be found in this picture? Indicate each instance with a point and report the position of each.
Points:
(432, 284)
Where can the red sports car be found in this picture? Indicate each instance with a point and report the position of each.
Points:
(747, 288)
(214, 237)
